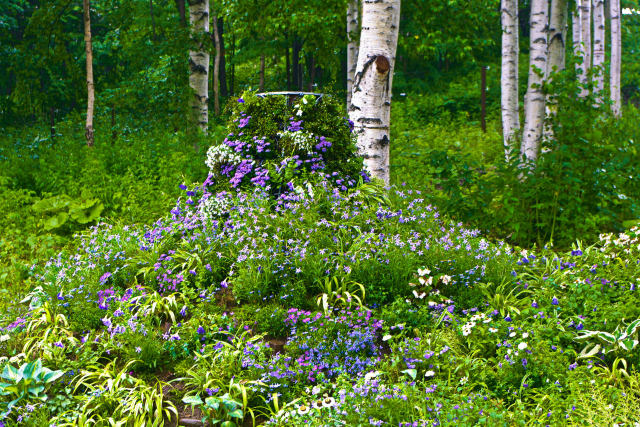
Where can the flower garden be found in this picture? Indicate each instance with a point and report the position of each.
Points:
(289, 289)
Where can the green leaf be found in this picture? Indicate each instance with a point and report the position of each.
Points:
(236, 414)
(50, 376)
(55, 221)
(192, 400)
(411, 372)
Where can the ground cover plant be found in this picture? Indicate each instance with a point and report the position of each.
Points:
(292, 296)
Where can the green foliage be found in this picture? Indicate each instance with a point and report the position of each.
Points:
(27, 382)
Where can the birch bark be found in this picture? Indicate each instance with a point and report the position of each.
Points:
(576, 34)
(199, 62)
(509, 75)
(585, 27)
(352, 46)
(556, 59)
(534, 99)
(616, 57)
(599, 47)
(370, 108)
(91, 96)
(216, 67)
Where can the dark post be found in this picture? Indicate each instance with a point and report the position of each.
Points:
(483, 99)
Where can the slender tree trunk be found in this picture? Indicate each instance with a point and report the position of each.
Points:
(599, 48)
(232, 85)
(295, 63)
(483, 98)
(578, 47)
(509, 75)
(616, 57)
(261, 85)
(557, 49)
(288, 65)
(585, 27)
(370, 108)
(352, 46)
(223, 63)
(153, 20)
(534, 99)
(182, 12)
(88, 129)
(199, 63)
(114, 132)
(216, 68)
(52, 122)
(312, 71)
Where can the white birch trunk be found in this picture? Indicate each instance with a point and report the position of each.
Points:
(199, 62)
(576, 33)
(616, 57)
(216, 67)
(556, 60)
(509, 75)
(91, 96)
(585, 28)
(352, 46)
(534, 99)
(599, 48)
(370, 108)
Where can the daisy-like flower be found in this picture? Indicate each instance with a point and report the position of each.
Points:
(328, 402)
(522, 346)
(423, 272)
(303, 409)
(429, 374)
(317, 404)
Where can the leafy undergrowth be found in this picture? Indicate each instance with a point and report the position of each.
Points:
(337, 308)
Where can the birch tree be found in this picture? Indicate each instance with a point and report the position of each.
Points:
(576, 33)
(352, 46)
(556, 60)
(534, 99)
(616, 56)
(216, 67)
(599, 47)
(199, 62)
(585, 37)
(370, 108)
(509, 74)
(91, 96)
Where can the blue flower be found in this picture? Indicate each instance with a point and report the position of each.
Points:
(554, 301)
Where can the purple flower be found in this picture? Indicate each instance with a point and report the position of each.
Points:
(554, 301)
(241, 101)
(201, 330)
(104, 278)
(182, 186)
(534, 304)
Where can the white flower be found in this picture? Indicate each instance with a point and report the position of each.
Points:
(429, 374)
(424, 272)
(386, 337)
(464, 380)
(512, 334)
(316, 390)
(328, 402)
(317, 404)
(371, 375)
(303, 409)
(446, 279)
(493, 330)
(525, 335)
(522, 345)
(419, 295)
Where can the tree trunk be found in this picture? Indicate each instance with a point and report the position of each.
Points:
(534, 99)
(91, 96)
(585, 27)
(295, 64)
(216, 68)
(352, 46)
(312, 71)
(557, 36)
(182, 12)
(223, 63)
(599, 48)
(153, 20)
(52, 122)
(261, 85)
(370, 108)
(483, 98)
(288, 65)
(199, 63)
(616, 57)
(509, 75)
(557, 48)
(232, 84)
